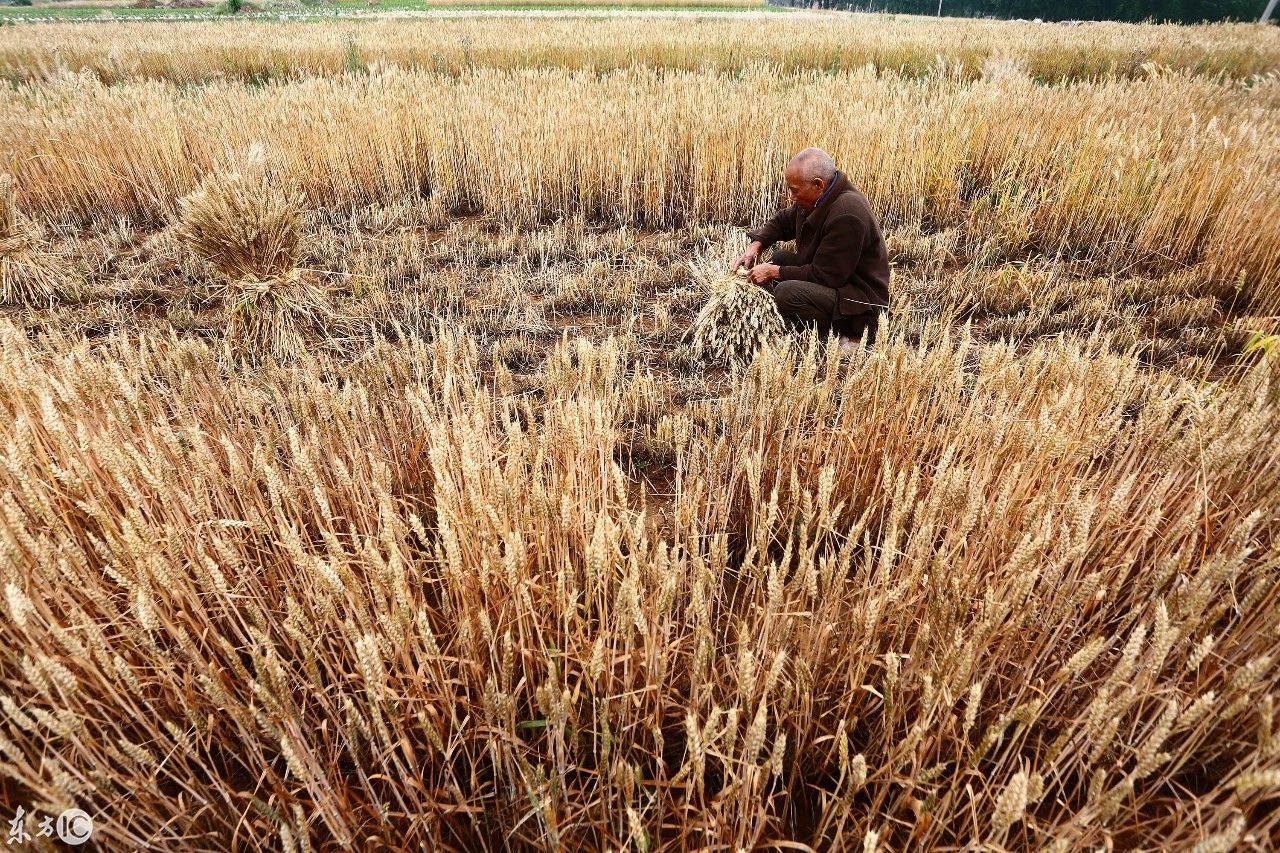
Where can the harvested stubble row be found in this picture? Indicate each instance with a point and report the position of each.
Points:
(1046, 621)
(251, 51)
(1114, 171)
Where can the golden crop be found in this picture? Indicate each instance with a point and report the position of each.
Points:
(1161, 174)
(29, 274)
(249, 229)
(737, 318)
(199, 52)
(389, 472)
(878, 596)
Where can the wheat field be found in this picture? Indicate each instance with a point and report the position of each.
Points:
(200, 52)
(382, 464)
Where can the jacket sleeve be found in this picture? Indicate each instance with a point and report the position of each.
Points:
(781, 227)
(839, 252)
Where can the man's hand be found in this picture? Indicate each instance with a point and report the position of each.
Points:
(748, 258)
(764, 273)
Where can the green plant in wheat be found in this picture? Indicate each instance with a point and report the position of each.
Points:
(1261, 344)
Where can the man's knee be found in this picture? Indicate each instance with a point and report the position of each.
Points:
(804, 297)
(802, 303)
(787, 295)
(796, 296)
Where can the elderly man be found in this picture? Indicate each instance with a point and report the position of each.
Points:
(839, 273)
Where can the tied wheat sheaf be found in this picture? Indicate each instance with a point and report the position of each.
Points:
(249, 228)
(737, 319)
(30, 274)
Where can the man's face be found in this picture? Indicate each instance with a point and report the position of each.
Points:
(803, 192)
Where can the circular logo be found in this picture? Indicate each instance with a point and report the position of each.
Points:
(74, 826)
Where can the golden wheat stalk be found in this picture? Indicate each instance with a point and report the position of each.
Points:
(199, 52)
(1088, 170)
(254, 588)
(29, 272)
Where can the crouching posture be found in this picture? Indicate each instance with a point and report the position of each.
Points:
(839, 274)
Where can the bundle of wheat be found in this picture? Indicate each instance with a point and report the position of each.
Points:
(29, 273)
(249, 228)
(737, 319)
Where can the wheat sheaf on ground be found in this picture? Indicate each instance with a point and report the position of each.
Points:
(738, 317)
(249, 228)
(30, 274)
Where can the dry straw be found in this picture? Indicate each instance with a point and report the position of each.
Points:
(313, 590)
(954, 594)
(1090, 172)
(29, 271)
(249, 228)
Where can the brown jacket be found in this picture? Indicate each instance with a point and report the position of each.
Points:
(839, 244)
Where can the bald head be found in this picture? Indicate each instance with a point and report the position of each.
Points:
(808, 175)
(813, 163)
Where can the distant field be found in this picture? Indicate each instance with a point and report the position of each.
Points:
(116, 9)
(231, 49)
(15, 14)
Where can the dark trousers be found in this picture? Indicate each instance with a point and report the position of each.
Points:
(807, 303)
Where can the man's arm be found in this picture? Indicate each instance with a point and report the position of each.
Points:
(837, 257)
(781, 227)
